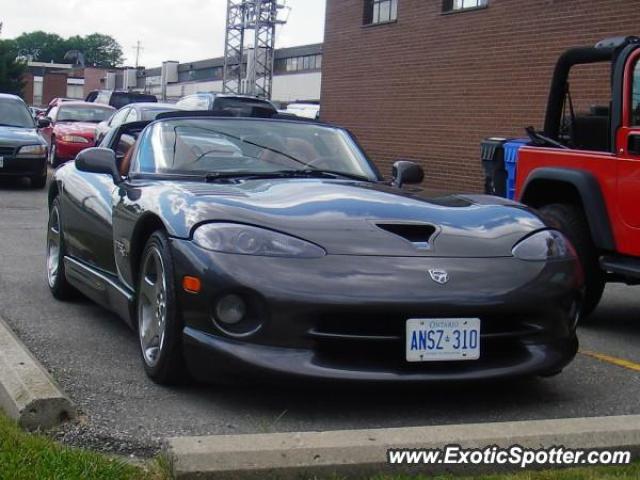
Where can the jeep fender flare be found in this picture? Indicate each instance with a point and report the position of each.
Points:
(583, 184)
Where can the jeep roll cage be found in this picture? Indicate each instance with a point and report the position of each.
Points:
(615, 50)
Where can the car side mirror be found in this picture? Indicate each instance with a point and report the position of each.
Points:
(99, 160)
(634, 144)
(44, 122)
(405, 172)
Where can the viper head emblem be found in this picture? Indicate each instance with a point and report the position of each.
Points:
(439, 276)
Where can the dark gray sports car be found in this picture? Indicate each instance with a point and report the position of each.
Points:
(274, 247)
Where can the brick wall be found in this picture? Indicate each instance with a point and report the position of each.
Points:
(27, 90)
(53, 85)
(93, 79)
(430, 87)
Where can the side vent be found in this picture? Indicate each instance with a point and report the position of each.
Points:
(419, 235)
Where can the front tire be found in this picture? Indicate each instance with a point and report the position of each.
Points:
(159, 324)
(53, 155)
(60, 288)
(571, 221)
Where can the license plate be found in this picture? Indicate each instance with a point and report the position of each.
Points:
(1, 162)
(443, 339)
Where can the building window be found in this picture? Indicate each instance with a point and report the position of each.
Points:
(380, 11)
(37, 91)
(299, 64)
(458, 5)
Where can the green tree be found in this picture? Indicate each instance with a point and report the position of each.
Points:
(11, 70)
(41, 46)
(100, 50)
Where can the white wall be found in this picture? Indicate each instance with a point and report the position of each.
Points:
(286, 88)
(299, 86)
(75, 88)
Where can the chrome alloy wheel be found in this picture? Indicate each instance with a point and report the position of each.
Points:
(53, 246)
(152, 307)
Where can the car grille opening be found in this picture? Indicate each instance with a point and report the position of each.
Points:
(377, 341)
(6, 151)
(418, 234)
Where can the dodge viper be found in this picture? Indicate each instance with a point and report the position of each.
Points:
(274, 249)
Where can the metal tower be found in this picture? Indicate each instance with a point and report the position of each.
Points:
(250, 46)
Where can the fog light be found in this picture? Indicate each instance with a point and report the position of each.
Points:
(231, 309)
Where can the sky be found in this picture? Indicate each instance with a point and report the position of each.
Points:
(182, 30)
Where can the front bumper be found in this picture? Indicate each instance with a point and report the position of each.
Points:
(342, 318)
(23, 167)
(69, 151)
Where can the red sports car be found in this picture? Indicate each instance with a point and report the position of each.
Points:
(73, 128)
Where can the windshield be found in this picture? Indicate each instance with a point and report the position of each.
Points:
(14, 113)
(250, 146)
(77, 113)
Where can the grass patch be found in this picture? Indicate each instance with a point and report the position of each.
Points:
(27, 457)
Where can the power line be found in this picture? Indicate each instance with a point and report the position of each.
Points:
(138, 48)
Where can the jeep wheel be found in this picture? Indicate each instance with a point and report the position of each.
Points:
(571, 221)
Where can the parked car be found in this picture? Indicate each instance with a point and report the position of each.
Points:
(271, 248)
(305, 110)
(72, 128)
(23, 151)
(54, 103)
(118, 99)
(133, 112)
(582, 172)
(233, 105)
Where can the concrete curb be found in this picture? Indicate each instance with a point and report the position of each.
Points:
(361, 452)
(28, 394)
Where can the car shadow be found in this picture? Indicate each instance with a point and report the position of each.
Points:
(276, 408)
(15, 184)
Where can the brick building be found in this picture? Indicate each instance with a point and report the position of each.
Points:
(429, 79)
(46, 81)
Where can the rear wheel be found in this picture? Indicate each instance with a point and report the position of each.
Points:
(159, 325)
(571, 221)
(58, 284)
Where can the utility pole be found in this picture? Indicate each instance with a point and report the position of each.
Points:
(249, 51)
(138, 48)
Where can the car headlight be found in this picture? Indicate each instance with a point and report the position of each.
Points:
(31, 151)
(73, 139)
(544, 245)
(248, 240)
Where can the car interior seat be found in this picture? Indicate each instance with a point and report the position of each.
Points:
(590, 131)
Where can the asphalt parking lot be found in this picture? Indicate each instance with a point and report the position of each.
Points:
(95, 358)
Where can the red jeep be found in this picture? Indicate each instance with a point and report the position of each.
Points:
(583, 171)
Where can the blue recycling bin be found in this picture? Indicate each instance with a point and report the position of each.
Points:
(511, 150)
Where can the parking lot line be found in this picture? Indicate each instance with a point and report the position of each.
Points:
(620, 362)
